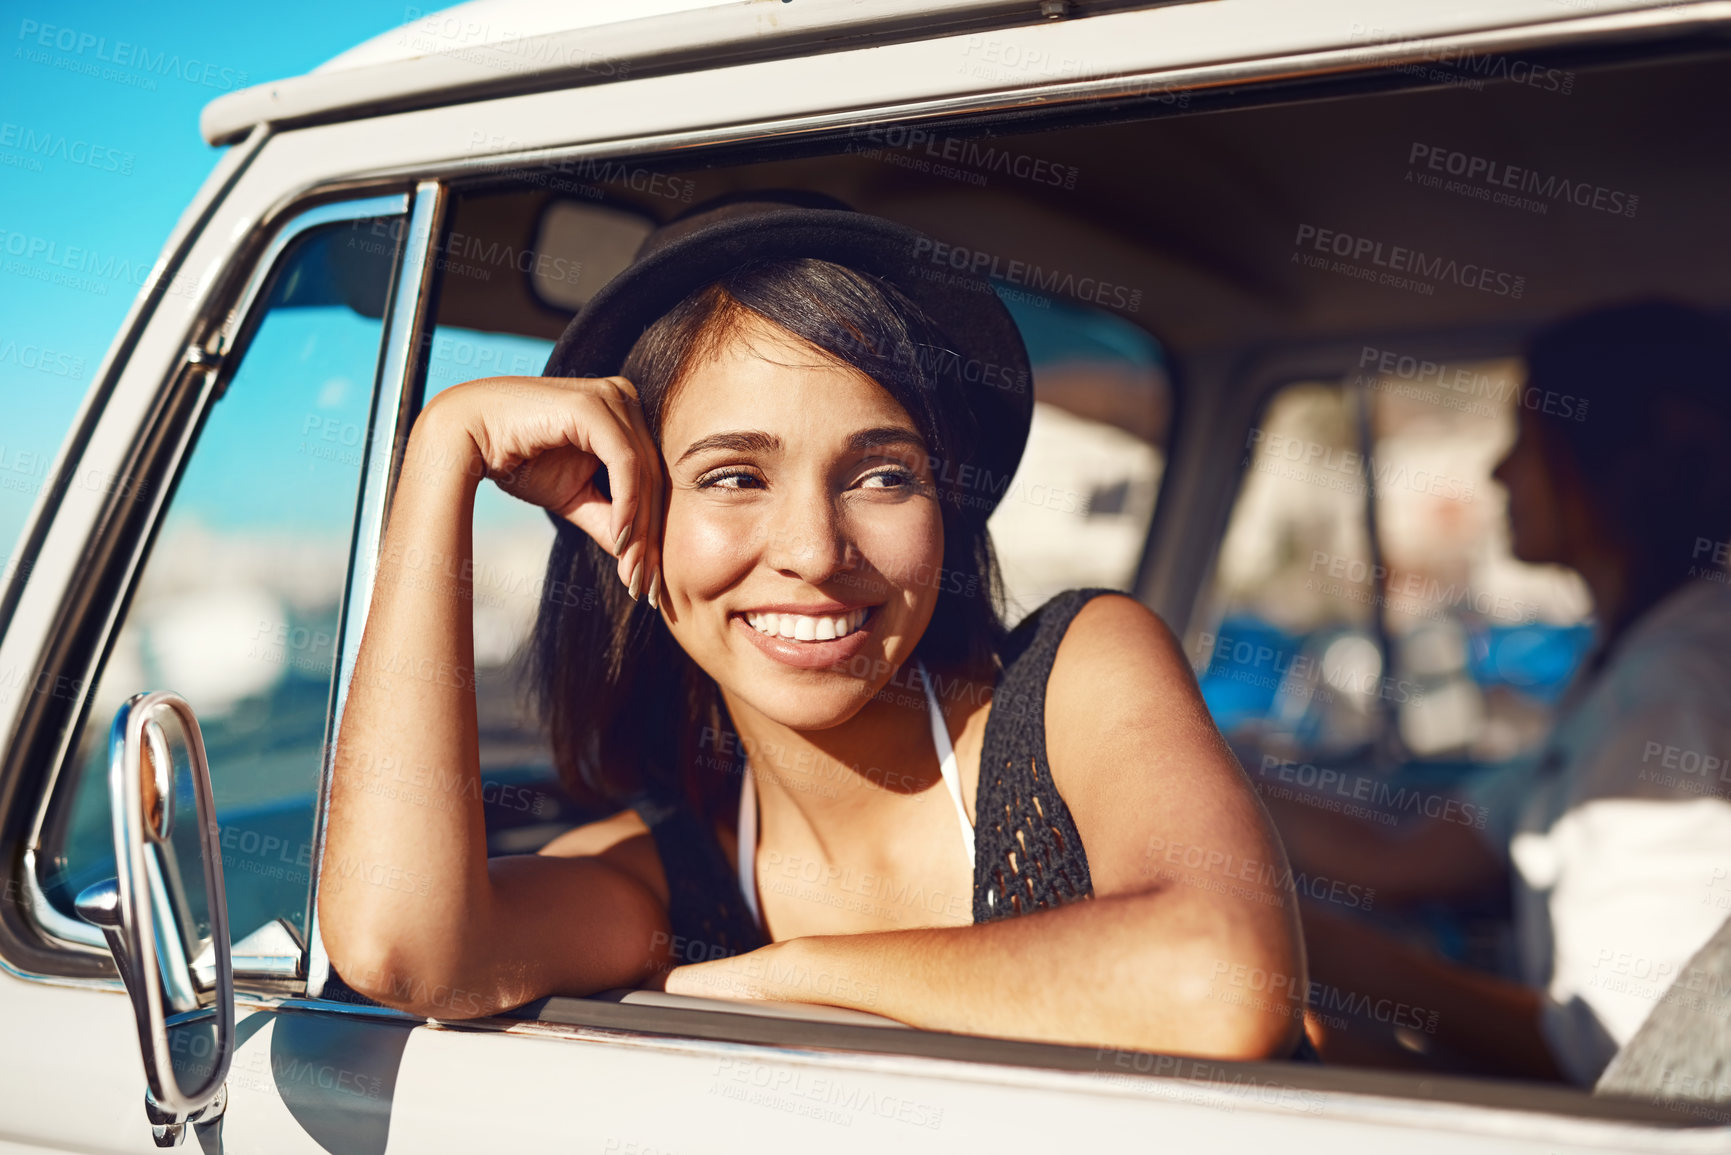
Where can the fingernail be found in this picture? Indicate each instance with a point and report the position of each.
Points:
(655, 589)
(619, 542)
(631, 586)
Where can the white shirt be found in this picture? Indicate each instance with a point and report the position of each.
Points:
(1621, 852)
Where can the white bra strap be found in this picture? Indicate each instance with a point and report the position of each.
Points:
(746, 855)
(947, 762)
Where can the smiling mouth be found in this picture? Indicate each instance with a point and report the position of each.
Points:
(808, 627)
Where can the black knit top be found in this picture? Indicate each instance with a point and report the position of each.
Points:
(1028, 854)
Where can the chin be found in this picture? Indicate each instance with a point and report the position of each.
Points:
(818, 704)
(1523, 549)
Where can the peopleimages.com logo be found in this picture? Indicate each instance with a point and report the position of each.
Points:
(86, 52)
(1413, 264)
(1459, 65)
(34, 144)
(1490, 178)
(1407, 375)
(1029, 275)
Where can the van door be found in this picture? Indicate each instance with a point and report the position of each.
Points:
(233, 597)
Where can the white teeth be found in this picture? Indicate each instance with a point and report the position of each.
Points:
(804, 628)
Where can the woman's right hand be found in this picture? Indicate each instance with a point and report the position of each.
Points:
(545, 440)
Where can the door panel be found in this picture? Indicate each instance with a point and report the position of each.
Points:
(80, 1087)
(358, 1085)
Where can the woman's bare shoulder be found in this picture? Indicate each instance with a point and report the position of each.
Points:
(1112, 638)
(1119, 669)
(1135, 753)
(623, 840)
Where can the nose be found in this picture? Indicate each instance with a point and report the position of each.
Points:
(806, 535)
(1505, 469)
(1500, 473)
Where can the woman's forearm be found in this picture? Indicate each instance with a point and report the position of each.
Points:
(1158, 971)
(404, 867)
(1490, 1021)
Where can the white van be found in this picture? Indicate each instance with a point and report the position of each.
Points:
(1182, 204)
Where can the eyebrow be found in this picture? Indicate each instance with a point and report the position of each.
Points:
(756, 441)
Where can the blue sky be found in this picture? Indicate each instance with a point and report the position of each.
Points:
(99, 150)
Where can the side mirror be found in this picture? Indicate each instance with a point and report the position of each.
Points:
(182, 991)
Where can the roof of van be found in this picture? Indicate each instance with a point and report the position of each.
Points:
(491, 22)
(491, 48)
(496, 47)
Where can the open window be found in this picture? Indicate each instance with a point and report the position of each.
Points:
(1363, 608)
(1366, 623)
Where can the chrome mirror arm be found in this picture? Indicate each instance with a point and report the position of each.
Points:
(99, 903)
(168, 1129)
(142, 911)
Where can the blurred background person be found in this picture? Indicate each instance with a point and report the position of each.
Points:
(1615, 840)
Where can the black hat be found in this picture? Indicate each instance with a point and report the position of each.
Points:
(705, 243)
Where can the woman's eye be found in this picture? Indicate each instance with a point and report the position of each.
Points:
(889, 479)
(748, 479)
(716, 480)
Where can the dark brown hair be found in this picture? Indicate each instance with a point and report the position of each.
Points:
(628, 712)
(1646, 385)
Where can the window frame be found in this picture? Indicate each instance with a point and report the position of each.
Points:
(407, 338)
(162, 449)
(1345, 1092)
(1348, 1092)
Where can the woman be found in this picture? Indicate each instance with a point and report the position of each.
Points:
(1616, 840)
(798, 682)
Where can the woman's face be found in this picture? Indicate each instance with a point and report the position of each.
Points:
(1525, 475)
(1546, 506)
(803, 536)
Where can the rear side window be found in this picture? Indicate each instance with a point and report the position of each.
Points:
(1077, 511)
(1364, 604)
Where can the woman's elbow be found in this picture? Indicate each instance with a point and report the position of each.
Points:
(379, 969)
(1254, 1034)
(1242, 990)
(1239, 1025)
(387, 979)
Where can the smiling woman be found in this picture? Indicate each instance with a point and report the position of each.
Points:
(766, 468)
